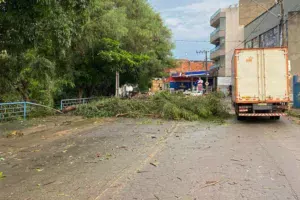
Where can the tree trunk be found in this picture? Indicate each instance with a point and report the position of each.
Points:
(90, 91)
(23, 90)
(80, 93)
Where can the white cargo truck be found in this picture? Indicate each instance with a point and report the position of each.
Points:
(260, 82)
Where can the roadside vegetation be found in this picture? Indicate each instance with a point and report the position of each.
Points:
(294, 113)
(162, 105)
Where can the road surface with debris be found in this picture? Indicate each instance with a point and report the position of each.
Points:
(152, 159)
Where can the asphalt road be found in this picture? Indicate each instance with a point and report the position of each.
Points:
(152, 159)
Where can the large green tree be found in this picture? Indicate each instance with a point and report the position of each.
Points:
(51, 49)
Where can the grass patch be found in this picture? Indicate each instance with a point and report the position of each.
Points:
(293, 113)
(162, 105)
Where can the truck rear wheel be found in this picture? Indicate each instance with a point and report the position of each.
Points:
(240, 118)
(275, 118)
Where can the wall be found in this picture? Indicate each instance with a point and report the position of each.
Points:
(157, 85)
(234, 36)
(187, 65)
(249, 10)
(221, 62)
(294, 41)
(291, 5)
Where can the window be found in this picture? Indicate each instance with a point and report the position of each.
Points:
(255, 42)
(249, 45)
(270, 38)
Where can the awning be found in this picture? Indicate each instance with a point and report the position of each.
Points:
(190, 74)
(197, 73)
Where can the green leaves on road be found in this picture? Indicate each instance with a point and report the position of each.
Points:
(2, 175)
(161, 105)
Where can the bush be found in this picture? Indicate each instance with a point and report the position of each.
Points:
(163, 105)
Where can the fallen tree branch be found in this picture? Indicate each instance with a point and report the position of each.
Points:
(68, 109)
(210, 183)
(122, 115)
(36, 104)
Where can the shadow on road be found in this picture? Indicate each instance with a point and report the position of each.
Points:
(259, 120)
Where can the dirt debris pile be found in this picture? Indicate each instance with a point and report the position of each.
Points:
(162, 105)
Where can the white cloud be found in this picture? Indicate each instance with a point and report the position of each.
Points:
(191, 22)
(173, 22)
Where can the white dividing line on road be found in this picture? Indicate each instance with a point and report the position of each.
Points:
(116, 185)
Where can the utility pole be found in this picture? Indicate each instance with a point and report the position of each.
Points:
(206, 67)
(117, 83)
(189, 62)
(282, 22)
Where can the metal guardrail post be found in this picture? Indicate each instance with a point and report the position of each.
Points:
(25, 110)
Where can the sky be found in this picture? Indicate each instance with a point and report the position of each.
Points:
(189, 20)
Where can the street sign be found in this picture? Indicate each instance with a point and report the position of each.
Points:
(207, 84)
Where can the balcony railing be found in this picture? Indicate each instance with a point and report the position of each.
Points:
(216, 49)
(215, 14)
(217, 52)
(215, 31)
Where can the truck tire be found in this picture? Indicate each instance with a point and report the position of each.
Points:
(240, 118)
(275, 118)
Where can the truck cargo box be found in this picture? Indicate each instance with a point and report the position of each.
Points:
(261, 82)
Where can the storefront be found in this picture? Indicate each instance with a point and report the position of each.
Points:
(188, 81)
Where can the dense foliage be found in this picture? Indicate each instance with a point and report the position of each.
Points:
(161, 105)
(53, 49)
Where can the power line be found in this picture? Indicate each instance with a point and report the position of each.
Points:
(297, 6)
(249, 34)
(243, 41)
(200, 41)
(266, 10)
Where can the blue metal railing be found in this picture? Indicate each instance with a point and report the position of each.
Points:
(19, 110)
(72, 102)
(215, 14)
(13, 110)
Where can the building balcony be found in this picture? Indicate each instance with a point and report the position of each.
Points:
(217, 52)
(216, 35)
(215, 18)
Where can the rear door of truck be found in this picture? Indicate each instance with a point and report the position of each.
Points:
(248, 76)
(275, 74)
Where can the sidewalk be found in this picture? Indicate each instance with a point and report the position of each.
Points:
(228, 103)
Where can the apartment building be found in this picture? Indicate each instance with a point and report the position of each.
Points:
(227, 36)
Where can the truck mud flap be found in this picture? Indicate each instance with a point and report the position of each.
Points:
(262, 114)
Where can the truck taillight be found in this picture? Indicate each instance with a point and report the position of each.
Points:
(243, 108)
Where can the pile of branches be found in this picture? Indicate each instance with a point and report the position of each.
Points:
(162, 105)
